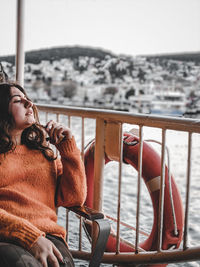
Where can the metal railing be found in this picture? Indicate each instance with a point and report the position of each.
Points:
(103, 118)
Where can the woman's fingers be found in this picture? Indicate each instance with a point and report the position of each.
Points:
(43, 261)
(52, 131)
(53, 262)
(59, 135)
(49, 125)
(57, 132)
(57, 254)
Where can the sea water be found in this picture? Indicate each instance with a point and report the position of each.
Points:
(177, 146)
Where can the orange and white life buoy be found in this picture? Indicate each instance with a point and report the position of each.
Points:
(151, 173)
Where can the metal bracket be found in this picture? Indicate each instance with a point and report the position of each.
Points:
(103, 234)
(112, 140)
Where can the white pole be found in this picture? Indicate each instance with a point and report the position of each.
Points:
(19, 59)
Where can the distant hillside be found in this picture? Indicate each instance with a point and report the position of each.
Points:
(195, 57)
(58, 53)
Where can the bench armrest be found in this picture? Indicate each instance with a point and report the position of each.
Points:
(87, 212)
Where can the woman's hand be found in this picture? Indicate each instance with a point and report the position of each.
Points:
(57, 132)
(46, 252)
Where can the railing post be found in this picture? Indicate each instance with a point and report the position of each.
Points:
(98, 172)
(99, 165)
(19, 60)
(189, 163)
(162, 192)
(119, 189)
(139, 189)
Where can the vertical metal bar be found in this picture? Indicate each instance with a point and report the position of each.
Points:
(57, 117)
(99, 165)
(46, 117)
(162, 191)
(57, 120)
(67, 225)
(189, 160)
(82, 139)
(67, 211)
(80, 233)
(139, 189)
(119, 191)
(82, 155)
(98, 172)
(69, 121)
(19, 59)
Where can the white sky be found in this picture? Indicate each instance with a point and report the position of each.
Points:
(121, 26)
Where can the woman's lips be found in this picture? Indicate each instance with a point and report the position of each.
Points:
(30, 113)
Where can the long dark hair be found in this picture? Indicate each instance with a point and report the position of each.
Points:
(33, 137)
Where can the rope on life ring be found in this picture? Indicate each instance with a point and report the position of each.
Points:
(151, 172)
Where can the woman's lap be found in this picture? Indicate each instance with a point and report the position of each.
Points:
(12, 255)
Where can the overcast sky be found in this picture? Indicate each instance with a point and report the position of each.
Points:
(131, 27)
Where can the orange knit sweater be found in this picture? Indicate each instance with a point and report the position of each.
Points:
(28, 191)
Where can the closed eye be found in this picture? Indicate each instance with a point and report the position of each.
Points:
(18, 98)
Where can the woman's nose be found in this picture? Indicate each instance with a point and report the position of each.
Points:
(28, 103)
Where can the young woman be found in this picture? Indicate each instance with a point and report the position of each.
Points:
(33, 183)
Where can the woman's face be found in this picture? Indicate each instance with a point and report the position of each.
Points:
(21, 110)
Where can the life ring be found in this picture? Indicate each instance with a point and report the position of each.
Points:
(151, 172)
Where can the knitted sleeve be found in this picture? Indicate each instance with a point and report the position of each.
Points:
(71, 189)
(13, 228)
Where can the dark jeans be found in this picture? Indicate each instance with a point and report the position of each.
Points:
(12, 255)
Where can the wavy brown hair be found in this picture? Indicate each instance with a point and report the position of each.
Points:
(33, 137)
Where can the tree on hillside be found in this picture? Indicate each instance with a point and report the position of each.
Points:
(69, 89)
(111, 90)
(130, 93)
